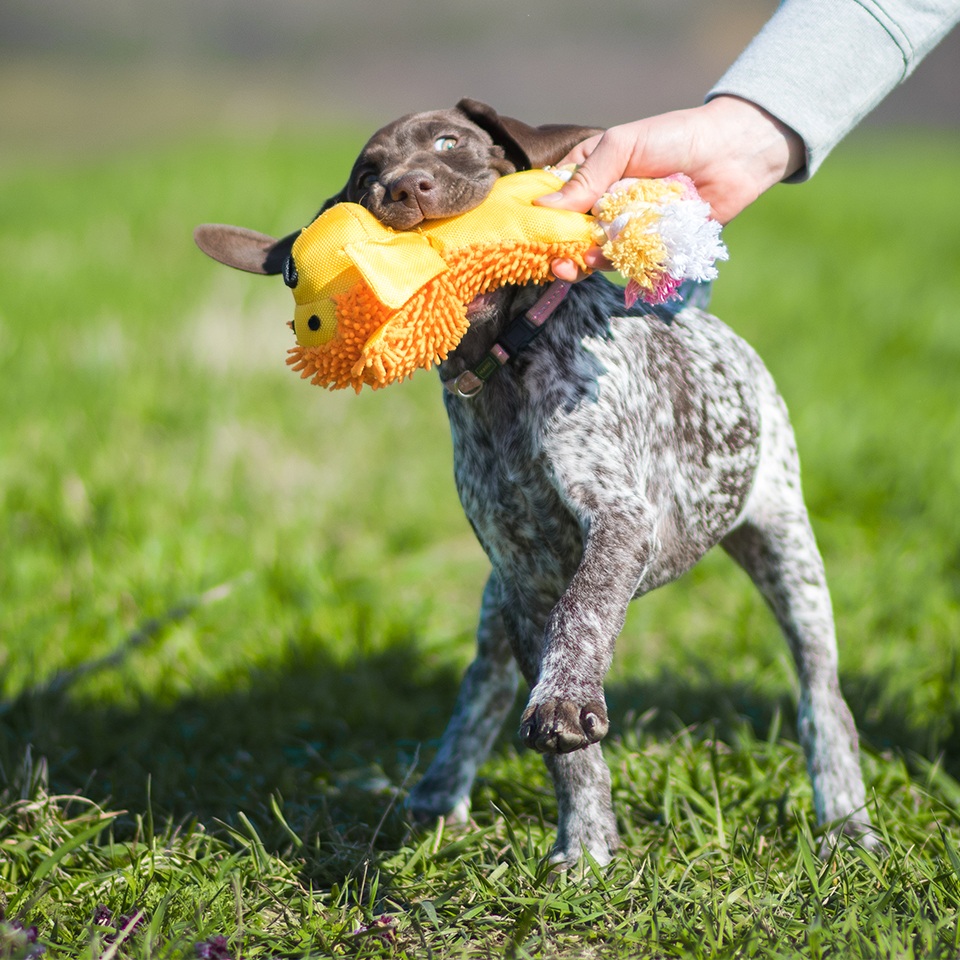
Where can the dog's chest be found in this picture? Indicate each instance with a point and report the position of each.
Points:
(509, 492)
(656, 427)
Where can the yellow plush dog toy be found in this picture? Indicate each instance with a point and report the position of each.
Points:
(374, 304)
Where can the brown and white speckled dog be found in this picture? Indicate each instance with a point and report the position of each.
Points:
(605, 460)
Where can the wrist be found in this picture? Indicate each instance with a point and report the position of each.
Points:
(766, 149)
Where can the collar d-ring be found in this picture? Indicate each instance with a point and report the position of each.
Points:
(518, 335)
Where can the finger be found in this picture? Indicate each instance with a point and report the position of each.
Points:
(564, 269)
(604, 166)
(576, 194)
(581, 151)
(567, 270)
(595, 260)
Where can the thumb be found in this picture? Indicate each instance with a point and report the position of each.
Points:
(603, 166)
(580, 192)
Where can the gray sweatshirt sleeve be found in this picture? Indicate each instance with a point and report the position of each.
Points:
(821, 66)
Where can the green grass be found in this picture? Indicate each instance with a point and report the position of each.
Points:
(234, 609)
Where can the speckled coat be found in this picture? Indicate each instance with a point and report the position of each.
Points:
(602, 462)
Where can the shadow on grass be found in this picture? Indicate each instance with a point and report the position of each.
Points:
(331, 742)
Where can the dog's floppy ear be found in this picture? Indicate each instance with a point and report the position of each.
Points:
(526, 147)
(244, 249)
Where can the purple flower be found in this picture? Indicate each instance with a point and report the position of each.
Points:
(213, 948)
(131, 922)
(382, 927)
(20, 942)
(128, 923)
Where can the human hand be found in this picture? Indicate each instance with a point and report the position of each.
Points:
(732, 149)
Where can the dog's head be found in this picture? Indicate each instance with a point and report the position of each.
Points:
(424, 166)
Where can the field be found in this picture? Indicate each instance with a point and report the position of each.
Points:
(234, 609)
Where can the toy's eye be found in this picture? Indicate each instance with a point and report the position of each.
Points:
(444, 143)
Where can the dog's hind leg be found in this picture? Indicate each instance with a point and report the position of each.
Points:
(775, 545)
(487, 692)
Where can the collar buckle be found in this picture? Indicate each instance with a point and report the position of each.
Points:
(520, 332)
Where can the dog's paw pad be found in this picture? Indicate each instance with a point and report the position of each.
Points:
(562, 726)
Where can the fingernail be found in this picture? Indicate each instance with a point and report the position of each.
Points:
(549, 198)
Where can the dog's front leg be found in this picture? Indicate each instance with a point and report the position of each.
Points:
(567, 710)
(486, 694)
(585, 819)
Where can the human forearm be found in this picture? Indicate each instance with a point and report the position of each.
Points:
(820, 66)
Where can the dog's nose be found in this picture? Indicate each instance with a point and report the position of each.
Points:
(412, 188)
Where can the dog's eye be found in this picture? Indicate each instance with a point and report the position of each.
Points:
(367, 180)
(444, 143)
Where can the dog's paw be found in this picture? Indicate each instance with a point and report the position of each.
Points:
(424, 808)
(573, 859)
(575, 842)
(562, 726)
(850, 833)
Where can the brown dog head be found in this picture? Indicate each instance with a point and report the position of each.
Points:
(424, 166)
